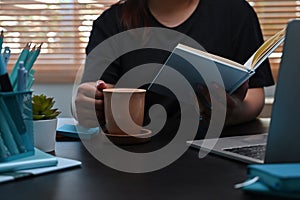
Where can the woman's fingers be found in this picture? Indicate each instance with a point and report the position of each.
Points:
(89, 105)
(87, 118)
(100, 85)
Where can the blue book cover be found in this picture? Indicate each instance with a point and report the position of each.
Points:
(39, 159)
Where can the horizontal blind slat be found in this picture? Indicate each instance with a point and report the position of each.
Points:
(64, 27)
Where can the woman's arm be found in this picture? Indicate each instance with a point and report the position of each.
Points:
(241, 106)
(239, 111)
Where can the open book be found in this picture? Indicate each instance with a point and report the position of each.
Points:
(189, 62)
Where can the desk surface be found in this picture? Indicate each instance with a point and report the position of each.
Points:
(187, 178)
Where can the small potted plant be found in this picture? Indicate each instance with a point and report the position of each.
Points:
(44, 122)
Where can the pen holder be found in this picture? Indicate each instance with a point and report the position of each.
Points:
(16, 126)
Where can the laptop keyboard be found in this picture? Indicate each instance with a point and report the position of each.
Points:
(256, 151)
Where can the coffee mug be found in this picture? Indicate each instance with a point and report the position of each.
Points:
(124, 110)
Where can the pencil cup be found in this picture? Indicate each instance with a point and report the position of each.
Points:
(16, 126)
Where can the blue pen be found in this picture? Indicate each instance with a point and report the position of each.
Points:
(11, 125)
(6, 55)
(11, 103)
(22, 77)
(23, 57)
(30, 79)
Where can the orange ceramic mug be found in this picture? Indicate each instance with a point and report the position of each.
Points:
(124, 110)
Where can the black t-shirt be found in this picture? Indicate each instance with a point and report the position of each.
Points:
(226, 28)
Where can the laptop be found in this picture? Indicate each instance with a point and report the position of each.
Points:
(282, 142)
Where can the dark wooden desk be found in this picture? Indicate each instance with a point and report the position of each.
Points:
(188, 178)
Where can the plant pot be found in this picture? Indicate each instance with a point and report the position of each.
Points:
(44, 132)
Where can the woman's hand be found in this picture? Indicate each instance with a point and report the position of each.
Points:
(89, 103)
(232, 104)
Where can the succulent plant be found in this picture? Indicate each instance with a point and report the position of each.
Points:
(42, 107)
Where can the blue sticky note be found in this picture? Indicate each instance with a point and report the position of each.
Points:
(76, 131)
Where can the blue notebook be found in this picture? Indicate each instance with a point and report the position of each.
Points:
(282, 180)
(39, 159)
(281, 177)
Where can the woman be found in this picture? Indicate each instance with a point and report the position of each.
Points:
(226, 28)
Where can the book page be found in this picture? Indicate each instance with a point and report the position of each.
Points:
(267, 47)
(212, 57)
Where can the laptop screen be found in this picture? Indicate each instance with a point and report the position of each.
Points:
(284, 133)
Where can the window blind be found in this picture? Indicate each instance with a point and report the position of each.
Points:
(64, 27)
(273, 16)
